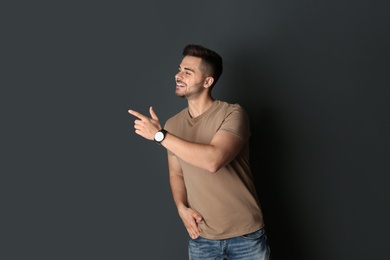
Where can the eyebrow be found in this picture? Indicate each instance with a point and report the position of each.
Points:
(188, 69)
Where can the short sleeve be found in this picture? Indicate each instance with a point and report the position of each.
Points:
(237, 122)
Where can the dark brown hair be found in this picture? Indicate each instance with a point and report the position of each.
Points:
(211, 61)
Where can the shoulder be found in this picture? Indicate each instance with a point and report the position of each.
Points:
(235, 120)
(229, 108)
(227, 105)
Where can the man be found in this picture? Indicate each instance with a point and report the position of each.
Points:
(208, 159)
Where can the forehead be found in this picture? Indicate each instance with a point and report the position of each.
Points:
(191, 62)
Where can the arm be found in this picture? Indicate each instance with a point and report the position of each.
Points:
(224, 146)
(189, 216)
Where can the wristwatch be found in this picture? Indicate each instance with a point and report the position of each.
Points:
(160, 135)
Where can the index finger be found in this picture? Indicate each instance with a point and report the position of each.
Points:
(137, 114)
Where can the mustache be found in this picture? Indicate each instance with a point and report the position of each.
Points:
(180, 82)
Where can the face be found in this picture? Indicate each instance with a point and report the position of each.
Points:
(190, 81)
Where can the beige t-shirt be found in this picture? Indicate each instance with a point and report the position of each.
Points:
(226, 199)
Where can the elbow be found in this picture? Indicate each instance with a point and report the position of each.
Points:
(213, 170)
(215, 162)
(214, 167)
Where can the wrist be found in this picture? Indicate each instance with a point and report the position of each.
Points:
(160, 135)
(181, 207)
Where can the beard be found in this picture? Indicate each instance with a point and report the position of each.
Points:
(195, 90)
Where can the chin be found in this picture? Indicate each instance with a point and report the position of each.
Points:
(179, 95)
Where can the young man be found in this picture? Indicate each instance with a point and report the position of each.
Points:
(208, 158)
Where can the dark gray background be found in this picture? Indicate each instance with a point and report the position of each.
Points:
(77, 183)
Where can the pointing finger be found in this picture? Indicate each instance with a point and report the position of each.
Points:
(137, 114)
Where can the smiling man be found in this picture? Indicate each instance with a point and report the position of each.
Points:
(208, 159)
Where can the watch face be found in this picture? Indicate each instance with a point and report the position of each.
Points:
(159, 136)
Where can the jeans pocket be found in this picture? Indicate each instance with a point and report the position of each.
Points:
(255, 235)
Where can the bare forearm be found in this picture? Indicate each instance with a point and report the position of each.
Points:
(203, 156)
(189, 216)
(223, 148)
(179, 191)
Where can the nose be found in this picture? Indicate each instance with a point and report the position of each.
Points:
(178, 75)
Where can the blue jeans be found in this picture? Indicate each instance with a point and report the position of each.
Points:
(253, 246)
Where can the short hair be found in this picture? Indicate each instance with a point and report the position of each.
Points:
(211, 61)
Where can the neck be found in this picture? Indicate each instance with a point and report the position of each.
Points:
(200, 105)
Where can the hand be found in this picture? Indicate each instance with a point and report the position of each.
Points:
(145, 126)
(191, 218)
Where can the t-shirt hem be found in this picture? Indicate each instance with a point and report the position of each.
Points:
(236, 234)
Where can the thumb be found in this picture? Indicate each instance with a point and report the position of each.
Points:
(197, 216)
(152, 113)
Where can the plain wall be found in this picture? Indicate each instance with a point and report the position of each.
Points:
(78, 183)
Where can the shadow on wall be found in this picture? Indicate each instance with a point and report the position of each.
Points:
(254, 86)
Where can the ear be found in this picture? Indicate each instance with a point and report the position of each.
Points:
(208, 82)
